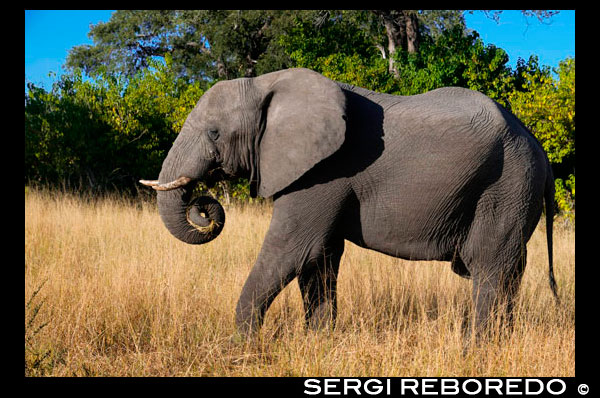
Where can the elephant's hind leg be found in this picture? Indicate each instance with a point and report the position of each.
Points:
(318, 285)
(494, 294)
(496, 255)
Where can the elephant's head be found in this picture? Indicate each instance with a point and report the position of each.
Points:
(272, 129)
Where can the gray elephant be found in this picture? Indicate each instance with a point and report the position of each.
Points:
(447, 175)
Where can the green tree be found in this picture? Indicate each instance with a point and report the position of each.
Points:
(547, 107)
(63, 136)
(106, 131)
(336, 46)
(451, 58)
(316, 35)
(390, 30)
(404, 30)
(203, 44)
(455, 59)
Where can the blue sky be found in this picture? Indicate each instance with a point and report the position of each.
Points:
(50, 34)
(522, 36)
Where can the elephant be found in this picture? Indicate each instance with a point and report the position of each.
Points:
(447, 175)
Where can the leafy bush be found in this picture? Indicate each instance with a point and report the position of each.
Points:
(547, 107)
(105, 131)
(454, 59)
(565, 196)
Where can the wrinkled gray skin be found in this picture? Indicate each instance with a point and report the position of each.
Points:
(448, 175)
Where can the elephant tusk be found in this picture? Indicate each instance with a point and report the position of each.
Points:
(149, 183)
(180, 182)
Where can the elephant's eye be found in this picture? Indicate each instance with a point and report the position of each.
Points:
(213, 134)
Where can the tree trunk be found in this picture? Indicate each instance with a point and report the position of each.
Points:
(402, 31)
(395, 34)
(412, 32)
(222, 69)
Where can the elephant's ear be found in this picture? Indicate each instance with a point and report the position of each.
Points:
(304, 123)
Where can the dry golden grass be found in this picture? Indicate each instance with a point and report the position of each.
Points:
(109, 292)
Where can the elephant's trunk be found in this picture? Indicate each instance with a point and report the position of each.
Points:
(194, 221)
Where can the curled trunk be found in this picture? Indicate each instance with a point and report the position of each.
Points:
(194, 221)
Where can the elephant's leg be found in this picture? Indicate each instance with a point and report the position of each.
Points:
(495, 289)
(292, 241)
(273, 270)
(495, 249)
(512, 282)
(318, 285)
(304, 227)
(485, 296)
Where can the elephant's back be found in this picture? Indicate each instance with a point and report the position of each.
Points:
(449, 110)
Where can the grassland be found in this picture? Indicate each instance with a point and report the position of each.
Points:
(109, 292)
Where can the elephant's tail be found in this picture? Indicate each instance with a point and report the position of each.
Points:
(549, 199)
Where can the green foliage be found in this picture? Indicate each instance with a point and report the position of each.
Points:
(547, 107)
(236, 190)
(455, 59)
(338, 49)
(59, 127)
(565, 196)
(107, 131)
(307, 43)
(352, 69)
(204, 45)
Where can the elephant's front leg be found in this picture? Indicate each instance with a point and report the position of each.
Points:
(272, 271)
(303, 240)
(318, 285)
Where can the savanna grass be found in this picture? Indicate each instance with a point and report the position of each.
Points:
(121, 297)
